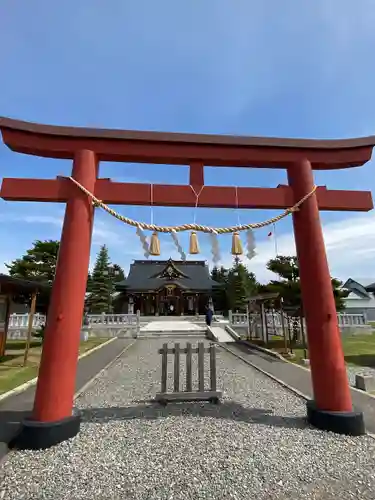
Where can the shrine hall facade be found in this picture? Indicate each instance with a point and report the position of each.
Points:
(166, 287)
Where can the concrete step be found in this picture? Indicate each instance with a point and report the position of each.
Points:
(172, 335)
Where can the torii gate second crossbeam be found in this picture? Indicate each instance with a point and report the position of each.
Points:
(53, 420)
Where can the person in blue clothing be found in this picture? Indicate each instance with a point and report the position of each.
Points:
(209, 315)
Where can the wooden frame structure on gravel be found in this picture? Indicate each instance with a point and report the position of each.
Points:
(53, 419)
(212, 395)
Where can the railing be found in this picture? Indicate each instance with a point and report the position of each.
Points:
(113, 320)
(352, 319)
(275, 321)
(95, 325)
(21, 321)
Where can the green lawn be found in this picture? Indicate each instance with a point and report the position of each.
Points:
(358, 350)
(13, 374)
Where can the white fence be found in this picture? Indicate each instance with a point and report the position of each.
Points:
(112, 320)
(21, 321)
(273, 322)
(97, 325)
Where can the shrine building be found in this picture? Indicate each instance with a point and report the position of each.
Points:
(166, 287)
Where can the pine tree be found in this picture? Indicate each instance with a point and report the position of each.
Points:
(101, 284)
(39, 262)
(219, 293)
(288, 284)
(117, 273)
(237, 290)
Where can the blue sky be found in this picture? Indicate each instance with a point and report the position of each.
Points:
(293, 69)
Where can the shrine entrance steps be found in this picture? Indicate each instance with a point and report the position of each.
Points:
(170, 328)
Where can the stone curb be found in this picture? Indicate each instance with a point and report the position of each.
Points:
(262, 349)
(351, 387)
(108, 365)
(281, 357)
(33, 381)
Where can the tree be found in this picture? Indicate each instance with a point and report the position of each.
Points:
(241, 285)
(237, 284)
(39, 262)
(288, 286)
(117, 273)
(219, 293)
(89, 282)
(101, 284)
(339, 294)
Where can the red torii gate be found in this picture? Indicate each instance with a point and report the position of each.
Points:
(53, 420)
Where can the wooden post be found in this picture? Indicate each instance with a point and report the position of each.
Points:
(266, 325)
(303, 337)
(213, 367)
(263, 321)
(248, 322)
(29, 327)
(283, 326)
(176, 387)
(189, 378)
(164, 366)
(157, 305)
(201, 366)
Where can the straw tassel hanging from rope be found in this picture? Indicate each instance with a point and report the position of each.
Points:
(194, 245)
(154, 247)
(236, 240)
(154, 244)
(236, 244)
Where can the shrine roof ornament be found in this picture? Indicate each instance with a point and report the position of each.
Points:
(170, 272)
(174, 148)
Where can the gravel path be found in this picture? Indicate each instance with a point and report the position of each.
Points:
(255, 445)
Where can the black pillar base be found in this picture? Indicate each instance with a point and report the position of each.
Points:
(350, 423)
(36, 435)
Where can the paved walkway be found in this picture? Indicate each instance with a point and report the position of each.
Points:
(300, 379)
(14, 408)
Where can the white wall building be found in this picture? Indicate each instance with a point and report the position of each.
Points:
(361, 298)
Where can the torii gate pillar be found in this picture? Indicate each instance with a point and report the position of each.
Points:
(332, 406)
(53, 420)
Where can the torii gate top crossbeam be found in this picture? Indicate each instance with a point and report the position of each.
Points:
(183, 149)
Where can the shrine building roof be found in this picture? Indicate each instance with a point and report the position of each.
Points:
(10, 284)
(153, 274)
